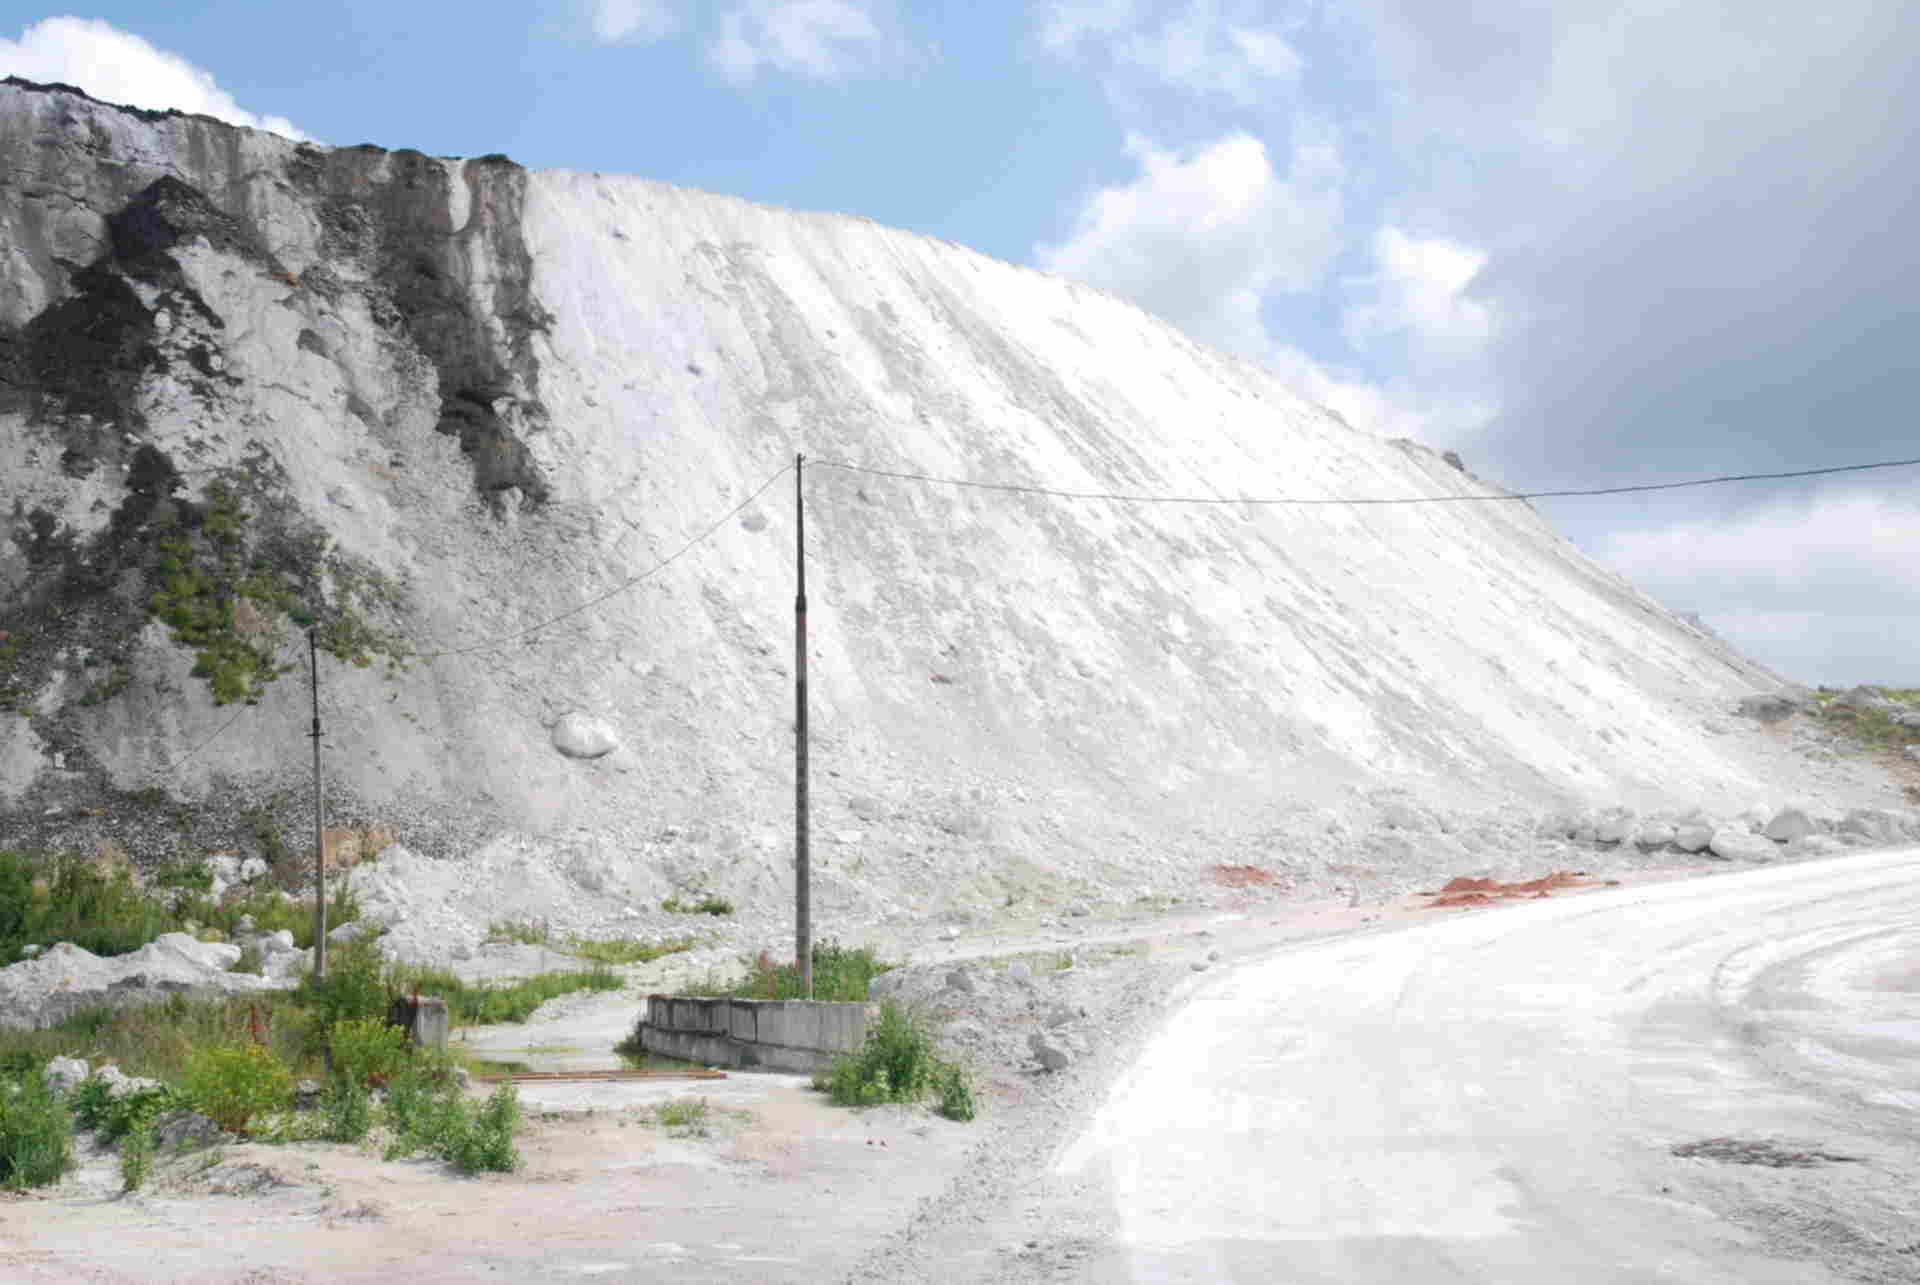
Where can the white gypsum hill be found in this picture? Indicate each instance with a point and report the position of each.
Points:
(503, 394)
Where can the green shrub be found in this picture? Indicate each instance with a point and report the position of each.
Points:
(95, 1107)
(354, 988)
(232, 1083)
(136, 1158)
(427, 1113)
(367, 1050)
(486, 1145)
(346, 1110)
(36, 1134)
(897, 1063)
(956, 1094)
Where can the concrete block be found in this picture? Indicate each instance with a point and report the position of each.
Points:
(423, 1017)
(742, 1021)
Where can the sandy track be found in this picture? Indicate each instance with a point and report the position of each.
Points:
(1497, 1096)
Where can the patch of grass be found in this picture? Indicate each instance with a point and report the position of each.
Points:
(44, 900)
(687, 1117)
(477, 1005)
(897, 1063)
(628, 950)
(707, 905)
(530, 932)
(36, 1134)
(840, 974)
(136, 1158)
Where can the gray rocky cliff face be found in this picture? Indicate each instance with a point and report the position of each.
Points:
(428, 404)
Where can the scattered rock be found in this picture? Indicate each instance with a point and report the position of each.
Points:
(120, 1084)
(961, 980)
(1615, 825)
(1864, 697)
(64, 1074)
(1060, 1016)
(1873, 825)
(186, 1131)
(1050, 1055)
(1200, 965)
(1019, 973)
(1693, 837)
(1656, 834)
(1733, 843)
(582, 736)
(1789, 824)
(1768, 709)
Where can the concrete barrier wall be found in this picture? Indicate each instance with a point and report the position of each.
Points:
(784, 1035)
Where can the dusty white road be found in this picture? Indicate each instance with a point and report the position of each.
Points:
(1495, 1096)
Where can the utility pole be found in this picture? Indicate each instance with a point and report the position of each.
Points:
(319, 836)
(802, 866)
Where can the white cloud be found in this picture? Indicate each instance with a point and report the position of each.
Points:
(632, 21)
(1200, 48)
(119, 67)
(1822, 590)
(1065, 24)
(821, 40)
(1420, 291)
(1394, 408)
(1201, 240)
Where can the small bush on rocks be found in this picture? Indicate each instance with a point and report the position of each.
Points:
(94, 1106)
(366, 1050)
(36, 1134)
(231, 1084)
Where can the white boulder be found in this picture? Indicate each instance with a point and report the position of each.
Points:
(582, 736)
(1736, 843)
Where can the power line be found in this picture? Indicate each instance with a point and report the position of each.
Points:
(618, 589)
(1020, 489)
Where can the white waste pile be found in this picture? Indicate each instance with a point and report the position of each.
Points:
(65, 979)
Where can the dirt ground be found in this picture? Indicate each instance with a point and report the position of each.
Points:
(779, 1186)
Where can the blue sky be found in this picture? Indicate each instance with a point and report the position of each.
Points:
(1582, 243)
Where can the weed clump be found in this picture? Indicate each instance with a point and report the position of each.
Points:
(231, 1084)
(427, 1114)
(898, 1063)
(841, 974)
(346, 1110)
(707, 905)
(36, 1133)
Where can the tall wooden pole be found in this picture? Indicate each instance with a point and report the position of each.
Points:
(319, 837)
(802, 865)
